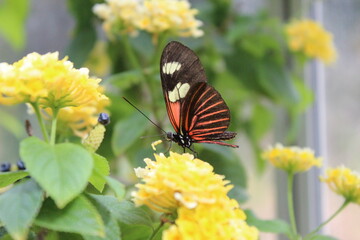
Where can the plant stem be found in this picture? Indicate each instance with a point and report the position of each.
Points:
(290, 180)
(53, 126)
(41, 121)
(156, 231)
(328, 220)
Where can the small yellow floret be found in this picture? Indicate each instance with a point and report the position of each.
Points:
(344, 182)
(311, 39)
(291, 159)
(175, 17)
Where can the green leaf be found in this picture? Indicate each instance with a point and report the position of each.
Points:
(112, 230)
(226, 163)
(134, 232)
(8, 178)
(13, 15)
(62, 169)
(126, 79)
(100, 171)
(306, 96)
(19, 206)
(84, 34)
(261, 121)
(273, 226)
(124, 211)
(127, 131)
(322, 237)
(79, 216)
(277, 82)
(117, 187)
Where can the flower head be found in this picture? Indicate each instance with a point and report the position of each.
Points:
(188, 186)
(212, 223)
(53, 83)
(80, 119)
(173, 16)
(49, 81)
(154, 16)
(178, 180)
(119, 15)
(311, 39)
(291, 159)
(344, 182)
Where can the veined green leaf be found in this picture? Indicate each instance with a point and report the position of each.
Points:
(19, 206)
(62, 170)
(274, 226)
(8, 178)
(79, 216)
(100, 171)
(124, 211)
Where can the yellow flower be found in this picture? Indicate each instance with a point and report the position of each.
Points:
(81, 119)
(154, 16)
(19, 85)
(174, 16)
(49, 81)
(344, 182)
(291, 159)
(119, 15)
(179, 180)
(311, 39)
(212, 223)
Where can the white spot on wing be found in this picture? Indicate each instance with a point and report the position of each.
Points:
(179, 91)
(171, 67)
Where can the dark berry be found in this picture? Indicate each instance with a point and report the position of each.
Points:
(21, 165)
(104, 119)
(5, 167)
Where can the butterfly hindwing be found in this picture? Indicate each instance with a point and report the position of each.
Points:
(195, 109)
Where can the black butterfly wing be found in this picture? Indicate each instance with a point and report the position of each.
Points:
(180, 70)
(194, 107)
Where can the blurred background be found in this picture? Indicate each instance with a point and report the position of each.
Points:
(329, 124)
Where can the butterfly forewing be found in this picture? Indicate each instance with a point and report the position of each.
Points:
(195, 109)
(180, 69)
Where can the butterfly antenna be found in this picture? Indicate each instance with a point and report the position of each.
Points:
(145, 115)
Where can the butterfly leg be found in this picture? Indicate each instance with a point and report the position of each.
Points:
(170, 145)
(192, 149)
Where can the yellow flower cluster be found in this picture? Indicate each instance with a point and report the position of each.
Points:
(291, 159)
(311, 39)
(154, 16)
(344, 182)
(211, 223)
(179, 183)
(53, 84)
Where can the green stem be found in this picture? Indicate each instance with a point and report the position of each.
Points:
(41, 121)
(156, 231)
(328, 220)
(290, 180)
(53, 126)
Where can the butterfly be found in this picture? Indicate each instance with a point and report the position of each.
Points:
(195, 109)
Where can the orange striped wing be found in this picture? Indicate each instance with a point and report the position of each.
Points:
(206, 116)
